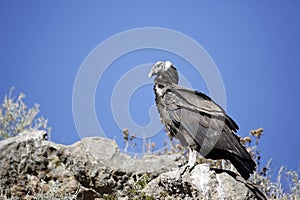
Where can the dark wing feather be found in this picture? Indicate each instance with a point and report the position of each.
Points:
(195, 100)
(199, 122)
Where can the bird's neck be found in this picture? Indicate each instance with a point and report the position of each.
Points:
(159, 89)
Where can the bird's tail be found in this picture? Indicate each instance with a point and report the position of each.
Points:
(243, 165)
(238, 155)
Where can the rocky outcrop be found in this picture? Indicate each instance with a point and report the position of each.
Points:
(201, 183)
(94, 168)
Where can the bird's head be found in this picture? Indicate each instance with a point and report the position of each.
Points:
(165, 72)
(159, 67)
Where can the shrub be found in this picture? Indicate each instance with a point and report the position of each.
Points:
(16, 117)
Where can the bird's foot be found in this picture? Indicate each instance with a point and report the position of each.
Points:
(191, 163)
(191, 168)
(192, 159)
(184, 169)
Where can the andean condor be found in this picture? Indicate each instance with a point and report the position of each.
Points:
(199, 123)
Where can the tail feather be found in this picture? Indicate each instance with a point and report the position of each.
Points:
(244, 166)
(237, 154)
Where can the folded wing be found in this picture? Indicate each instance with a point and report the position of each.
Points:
(198, 122)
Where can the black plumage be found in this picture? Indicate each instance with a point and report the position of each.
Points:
(197, 121)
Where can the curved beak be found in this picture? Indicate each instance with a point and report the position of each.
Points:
(150, 74)
(154, 69)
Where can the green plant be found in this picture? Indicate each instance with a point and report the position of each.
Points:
(110, 197)
(138, 183)
(15, 117)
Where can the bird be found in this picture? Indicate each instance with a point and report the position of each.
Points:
(199, 123)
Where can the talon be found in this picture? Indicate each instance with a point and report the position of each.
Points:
(184, 170)
(191, 168)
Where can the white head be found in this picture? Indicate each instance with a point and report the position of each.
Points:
(159, 67)
(165, 73)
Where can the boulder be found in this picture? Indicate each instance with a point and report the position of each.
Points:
(94, 168)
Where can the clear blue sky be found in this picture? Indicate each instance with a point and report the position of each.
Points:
(255, 46)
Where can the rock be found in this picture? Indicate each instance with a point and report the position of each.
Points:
(94, 168)
(200, 183)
